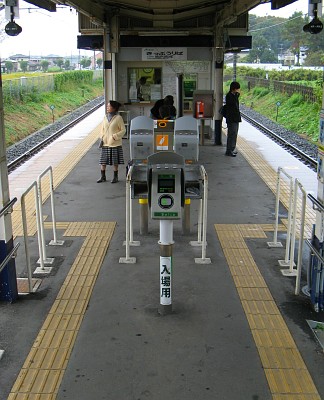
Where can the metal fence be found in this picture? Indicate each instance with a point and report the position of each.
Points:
(16, 88)
(308, 93)
(27, 85)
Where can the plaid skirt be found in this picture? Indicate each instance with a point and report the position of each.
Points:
(111, 156)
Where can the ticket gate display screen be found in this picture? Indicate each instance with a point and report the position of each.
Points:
(166, 194)
(166, 184)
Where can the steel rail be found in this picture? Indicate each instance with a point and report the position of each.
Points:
(305, 158)
(28, 154)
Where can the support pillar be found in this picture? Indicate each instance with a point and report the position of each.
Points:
(107, 66)
(8, 278)
(219, 77)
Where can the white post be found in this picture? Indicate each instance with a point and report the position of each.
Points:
(128, 259)
(301, 240)
(275, 242)
(41, 226)
(291, 271)
(166, 243)
(203, 259)
(285, 262)
(53, 242)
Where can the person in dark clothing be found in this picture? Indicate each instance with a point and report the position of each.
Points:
(155, 114)
(167, 112)
(233, 118)
(164, 109)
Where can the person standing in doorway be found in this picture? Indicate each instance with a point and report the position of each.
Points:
(112, 131)
(233, 118)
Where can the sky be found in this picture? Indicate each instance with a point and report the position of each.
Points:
(285, 12)
(45, 33)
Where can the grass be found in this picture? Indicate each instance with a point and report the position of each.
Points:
(24, 117)
(293, 112)
(34, 112)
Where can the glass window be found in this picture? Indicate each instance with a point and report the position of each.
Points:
(189, 85)
(144, 84)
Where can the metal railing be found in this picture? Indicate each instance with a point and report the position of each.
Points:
(49, 171)
(291, 228)
(43, 259)
(202, 222)
(33, 186)
(129, 224)
(7, 209)
(315, 289)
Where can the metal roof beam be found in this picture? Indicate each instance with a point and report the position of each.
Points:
(45, 4)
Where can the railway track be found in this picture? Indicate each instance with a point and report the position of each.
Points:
(308, 160)
(39, 146)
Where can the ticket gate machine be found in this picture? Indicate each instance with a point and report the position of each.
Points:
(166, 186)
(163, 135)
(186, 138)
(141, 139)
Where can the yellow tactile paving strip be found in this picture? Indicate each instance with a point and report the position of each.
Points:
(285, 370)
(42, 372)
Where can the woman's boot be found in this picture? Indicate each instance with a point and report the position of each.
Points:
(103, 177)
(115, 178)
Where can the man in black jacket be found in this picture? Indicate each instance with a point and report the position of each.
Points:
(233, 118)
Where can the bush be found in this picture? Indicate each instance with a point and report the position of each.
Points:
(295, 100)
(260, 92)
(68, 80)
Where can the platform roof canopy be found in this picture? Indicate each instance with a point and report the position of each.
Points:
(162, 18)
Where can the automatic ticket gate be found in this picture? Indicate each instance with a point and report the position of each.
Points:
(148, 136)
(163, 135)
(141, 139)
(166, 185)
(186, 138)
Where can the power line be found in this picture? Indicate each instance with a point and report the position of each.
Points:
(271, 26)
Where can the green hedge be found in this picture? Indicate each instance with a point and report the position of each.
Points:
(66, 79)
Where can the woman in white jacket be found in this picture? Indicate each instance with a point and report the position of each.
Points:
(112, 131)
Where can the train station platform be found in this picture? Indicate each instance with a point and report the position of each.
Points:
(92, 328)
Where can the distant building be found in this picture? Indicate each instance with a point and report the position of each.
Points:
(34, 62)
(3, 66)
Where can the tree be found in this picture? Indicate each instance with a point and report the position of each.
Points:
(99, 62)
(85, 62)
(44, 64)
(60, 62)
(67, 64)
(9, 66)
(23, 65)
(314, 49)
(293, 31)
(270, 30)
(260, 52)
(315, 59)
